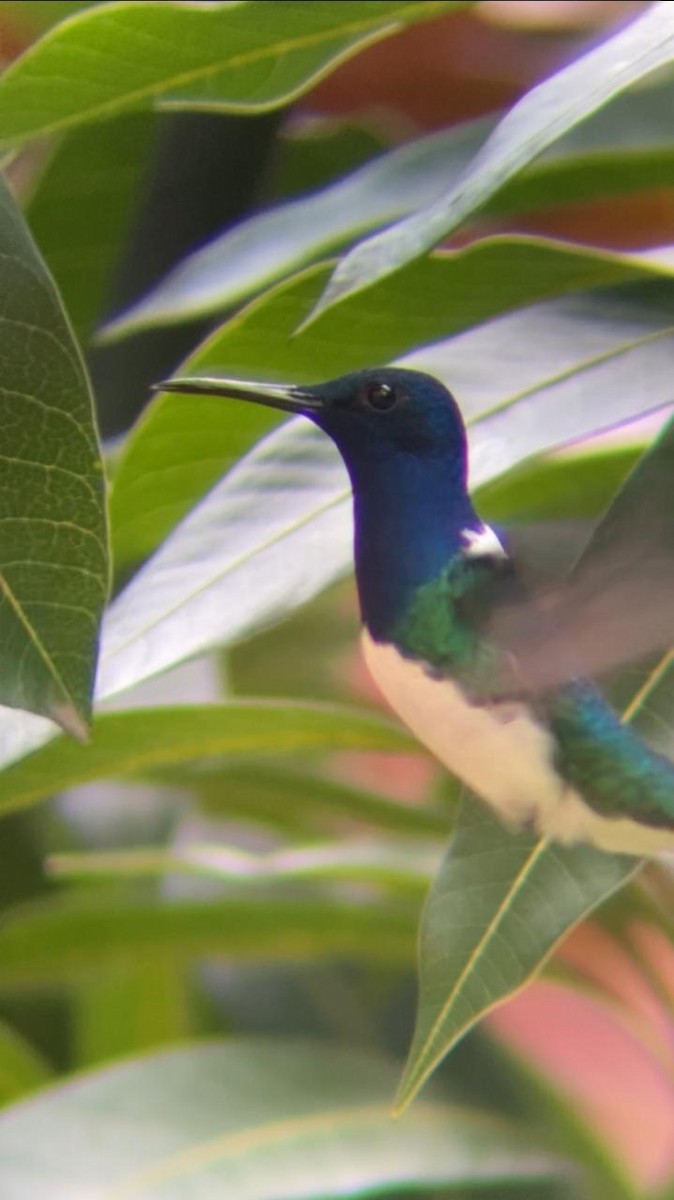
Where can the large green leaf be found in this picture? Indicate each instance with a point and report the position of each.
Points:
(258, 1119)
(82, 207)
(49, 943)
(180, 448)
(627, 146)
(138, 740)
(541, 117)
(53, 536)
(245, 56)
(498, 906)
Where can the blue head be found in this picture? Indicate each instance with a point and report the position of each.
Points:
(403, 441)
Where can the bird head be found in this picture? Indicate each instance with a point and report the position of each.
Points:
(372, 415)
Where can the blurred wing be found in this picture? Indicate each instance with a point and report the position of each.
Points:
(616, 606)
(609, 614)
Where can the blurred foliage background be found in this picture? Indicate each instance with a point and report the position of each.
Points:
(212, 906)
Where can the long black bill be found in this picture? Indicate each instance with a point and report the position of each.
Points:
(288, 397)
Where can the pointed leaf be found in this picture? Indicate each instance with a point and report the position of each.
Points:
(53, 537)
(117, 56)
(498, 907)
(542, 116)
(273, 243)
(256, 1117)
(627, 146)
(142, 739)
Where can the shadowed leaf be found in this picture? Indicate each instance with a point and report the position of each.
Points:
(53, 536)
(541, 117)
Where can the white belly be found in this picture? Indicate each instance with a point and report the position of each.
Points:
(503, 754)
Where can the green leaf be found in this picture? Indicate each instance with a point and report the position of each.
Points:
(138, 740)
(22, 1069)
(48, 943)
(242, 57)
(567, 487)
(131, 1009)
(498, 907)
(263, 1117)
(180, 448)
(541, 117)
(81, 210)
(625, 147)
(276, 242)
(53, 536)
(300, 802)
(380, 862)
(270, 536)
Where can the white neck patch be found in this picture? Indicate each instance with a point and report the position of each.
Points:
(482, 543)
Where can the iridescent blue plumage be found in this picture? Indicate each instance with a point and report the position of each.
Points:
(432, 581)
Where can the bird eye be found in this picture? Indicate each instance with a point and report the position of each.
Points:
(380, 396)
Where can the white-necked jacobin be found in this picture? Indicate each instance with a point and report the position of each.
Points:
(432, 579)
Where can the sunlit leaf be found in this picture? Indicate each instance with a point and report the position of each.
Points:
(541, 117)
(244, 57)
(53, 537)
(629, 145)
(141, 739)
(259, 1115)
(275, 242)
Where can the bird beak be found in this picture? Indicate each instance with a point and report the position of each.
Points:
(288, 397)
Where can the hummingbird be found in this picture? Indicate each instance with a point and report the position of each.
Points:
(483, 672)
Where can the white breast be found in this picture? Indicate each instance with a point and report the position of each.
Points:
(502, 753)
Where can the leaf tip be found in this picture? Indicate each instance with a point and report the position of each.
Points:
(70, 720)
